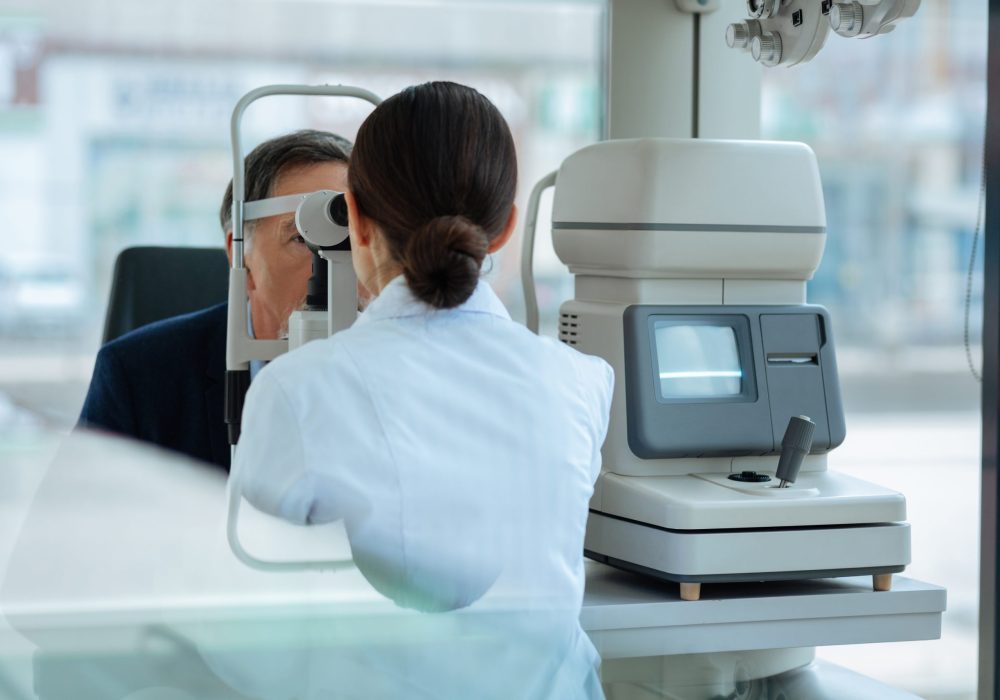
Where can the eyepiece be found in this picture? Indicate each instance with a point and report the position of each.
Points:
(321, 218)
(338, 210)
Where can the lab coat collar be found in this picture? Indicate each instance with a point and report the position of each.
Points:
(397, 301)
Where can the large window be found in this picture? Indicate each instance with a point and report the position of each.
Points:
(114, 131)
(897, 124)
(114, 128)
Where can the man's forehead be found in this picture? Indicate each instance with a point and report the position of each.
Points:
(309, 177)
(291, 188)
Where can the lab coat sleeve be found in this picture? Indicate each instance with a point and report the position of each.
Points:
(270, 467)
(599, 379)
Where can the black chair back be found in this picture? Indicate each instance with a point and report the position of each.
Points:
(153, 283)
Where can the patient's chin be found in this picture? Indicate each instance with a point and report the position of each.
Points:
(283, 333)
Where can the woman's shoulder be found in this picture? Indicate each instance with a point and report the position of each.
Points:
(597, 370)
(323, 358)
(591, 369)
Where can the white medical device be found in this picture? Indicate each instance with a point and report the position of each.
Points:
(788, 32)
(690, 278)
(331, 302)
(321, 218)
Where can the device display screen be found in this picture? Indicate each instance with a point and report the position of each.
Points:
(697, 361)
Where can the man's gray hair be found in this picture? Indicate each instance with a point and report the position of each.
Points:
(268, 161)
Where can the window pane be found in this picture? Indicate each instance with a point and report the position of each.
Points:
(897, 125)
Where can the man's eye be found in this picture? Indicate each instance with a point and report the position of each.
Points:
(297, 238)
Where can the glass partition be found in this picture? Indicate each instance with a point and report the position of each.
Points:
(897, 124)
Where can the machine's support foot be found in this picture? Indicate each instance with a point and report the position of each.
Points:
(690, 591)
(882, 582)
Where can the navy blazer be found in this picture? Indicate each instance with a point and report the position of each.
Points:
(164, 383)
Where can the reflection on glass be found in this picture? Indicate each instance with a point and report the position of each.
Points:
(141, 610)
(697, 361)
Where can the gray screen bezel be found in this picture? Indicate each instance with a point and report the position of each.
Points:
(740, 324)
(726, 427)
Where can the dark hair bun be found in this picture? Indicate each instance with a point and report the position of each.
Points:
(442, 260)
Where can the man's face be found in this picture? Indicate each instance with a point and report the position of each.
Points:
(278, 261)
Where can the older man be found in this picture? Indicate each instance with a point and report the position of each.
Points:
(163, 383)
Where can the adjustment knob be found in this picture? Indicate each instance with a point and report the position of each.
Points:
(766, 48)
(750, 477)
(739, 35)
(847, 18)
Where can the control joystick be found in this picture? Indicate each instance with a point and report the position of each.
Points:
(795, 445)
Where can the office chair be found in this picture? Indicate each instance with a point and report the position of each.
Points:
(151, 283)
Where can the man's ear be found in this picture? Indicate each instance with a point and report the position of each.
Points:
(359, 225)
(229, 246)
(508, 230)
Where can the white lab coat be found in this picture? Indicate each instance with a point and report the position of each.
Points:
(459, 448)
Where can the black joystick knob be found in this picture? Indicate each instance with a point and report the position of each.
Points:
(751, 477)
(795, 446)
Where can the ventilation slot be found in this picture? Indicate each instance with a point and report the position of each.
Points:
(569, 329)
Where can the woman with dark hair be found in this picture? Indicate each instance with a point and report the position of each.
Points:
(459, 448)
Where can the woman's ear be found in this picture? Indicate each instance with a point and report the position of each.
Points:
(358, 224)
(508, 230)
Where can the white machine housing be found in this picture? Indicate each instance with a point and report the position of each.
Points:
(682, 222)
(696, 223)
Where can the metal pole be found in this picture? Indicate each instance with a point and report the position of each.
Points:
(991, 373)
